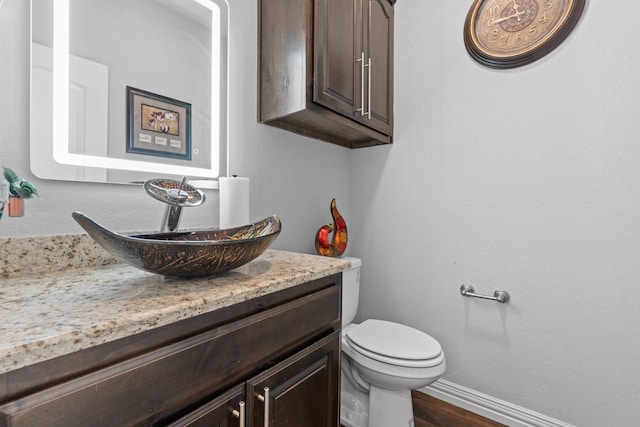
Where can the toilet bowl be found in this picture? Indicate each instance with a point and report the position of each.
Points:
(382, 362)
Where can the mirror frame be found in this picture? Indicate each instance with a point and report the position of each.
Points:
(219, 100)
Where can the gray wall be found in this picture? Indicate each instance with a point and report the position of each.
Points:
(526, 180)
(523, 179)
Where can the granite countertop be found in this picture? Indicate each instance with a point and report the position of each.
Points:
(50, 314)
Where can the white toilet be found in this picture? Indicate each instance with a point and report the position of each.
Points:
(381, 363)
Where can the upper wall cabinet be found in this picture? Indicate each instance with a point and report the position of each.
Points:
(326, 69)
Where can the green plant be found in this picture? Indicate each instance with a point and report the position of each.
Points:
(19, 187)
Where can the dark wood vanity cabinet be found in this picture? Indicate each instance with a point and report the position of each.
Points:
(299, 391)
(326, 69)
(197, 371)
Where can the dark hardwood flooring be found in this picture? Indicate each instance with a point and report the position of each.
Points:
(431, 412)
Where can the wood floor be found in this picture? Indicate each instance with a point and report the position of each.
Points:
(431, 412)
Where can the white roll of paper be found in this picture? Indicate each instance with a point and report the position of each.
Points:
(234, 201)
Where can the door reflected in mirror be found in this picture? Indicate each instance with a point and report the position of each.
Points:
(85, 53)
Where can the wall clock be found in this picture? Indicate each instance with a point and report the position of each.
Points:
(512, 33)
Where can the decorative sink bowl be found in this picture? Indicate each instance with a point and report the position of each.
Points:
(190, 253)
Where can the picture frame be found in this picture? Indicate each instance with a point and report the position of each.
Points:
(158, 125)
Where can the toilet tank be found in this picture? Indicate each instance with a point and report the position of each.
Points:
(350, 290)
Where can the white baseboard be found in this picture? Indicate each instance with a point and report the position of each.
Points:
(488, 406)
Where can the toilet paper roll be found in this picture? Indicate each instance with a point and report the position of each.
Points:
(234, 201)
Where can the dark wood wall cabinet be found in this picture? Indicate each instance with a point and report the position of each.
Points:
(326, 69)
(272, 360)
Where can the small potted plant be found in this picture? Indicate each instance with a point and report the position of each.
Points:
(19, 189)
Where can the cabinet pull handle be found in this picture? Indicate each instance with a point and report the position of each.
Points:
(265, 399)
(361, 61)
(239, 413)
(369, 90)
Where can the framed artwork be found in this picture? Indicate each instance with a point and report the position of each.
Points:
(158, 125)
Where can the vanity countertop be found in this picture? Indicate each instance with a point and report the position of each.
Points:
(56, 313)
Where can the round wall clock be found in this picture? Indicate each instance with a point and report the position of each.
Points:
(512, 33)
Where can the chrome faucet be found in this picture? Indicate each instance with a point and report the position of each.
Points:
(176, 194)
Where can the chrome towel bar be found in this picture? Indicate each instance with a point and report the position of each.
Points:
(499, 295)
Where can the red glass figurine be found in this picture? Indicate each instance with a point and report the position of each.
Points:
(339, 242)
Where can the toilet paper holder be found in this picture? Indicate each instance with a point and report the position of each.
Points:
(499, 295)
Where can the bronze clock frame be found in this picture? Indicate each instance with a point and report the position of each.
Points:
(512, 33)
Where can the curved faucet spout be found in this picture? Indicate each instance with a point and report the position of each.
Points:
(171, 218)
(176, 194)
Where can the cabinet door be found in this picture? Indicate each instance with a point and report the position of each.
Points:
(378, 47)
(354, 60)
(303, 390)
(224, 411)
(335, 39)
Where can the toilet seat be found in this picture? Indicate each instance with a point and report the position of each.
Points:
(395, 344)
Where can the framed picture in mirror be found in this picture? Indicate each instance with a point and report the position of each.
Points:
(158, 125)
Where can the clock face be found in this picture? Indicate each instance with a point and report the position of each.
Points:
(510, 33)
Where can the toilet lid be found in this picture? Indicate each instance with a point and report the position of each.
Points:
(393, 340)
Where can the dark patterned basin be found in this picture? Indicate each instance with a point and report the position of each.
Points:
(190, 253)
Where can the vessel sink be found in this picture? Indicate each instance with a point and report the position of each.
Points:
(195, 253)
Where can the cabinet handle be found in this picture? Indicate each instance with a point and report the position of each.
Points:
(265, 399)
(239, 413)
(361, 61)
(369, 90)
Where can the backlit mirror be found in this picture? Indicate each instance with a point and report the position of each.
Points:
(126, 90)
